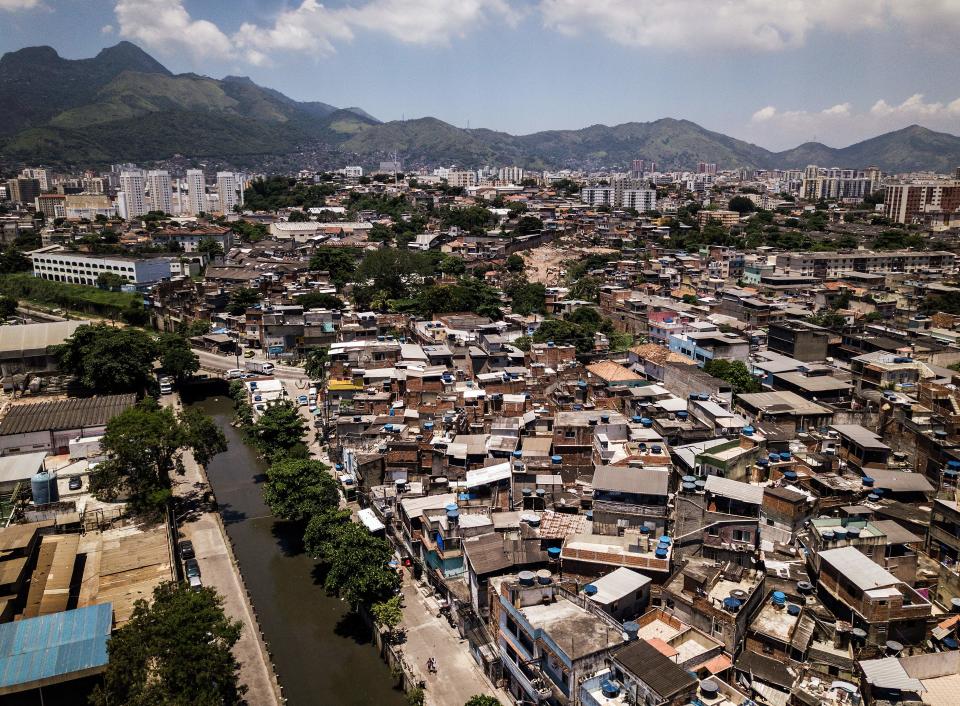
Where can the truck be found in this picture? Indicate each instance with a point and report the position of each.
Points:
(256, 366)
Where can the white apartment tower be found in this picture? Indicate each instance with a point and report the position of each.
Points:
(134, 202)
(230, 191)
(196, 202)
(161, 190)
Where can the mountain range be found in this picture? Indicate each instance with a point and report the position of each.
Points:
(124, 105)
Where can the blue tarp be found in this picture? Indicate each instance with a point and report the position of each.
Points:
(35, 649)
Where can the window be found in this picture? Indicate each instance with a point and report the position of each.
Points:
(714, 531)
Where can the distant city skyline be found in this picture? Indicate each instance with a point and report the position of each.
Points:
(773, 73)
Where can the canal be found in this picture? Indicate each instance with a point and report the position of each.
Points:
(322, 654)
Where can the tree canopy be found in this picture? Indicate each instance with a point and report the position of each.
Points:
(734, 372)
(174, 651)
(356, 565)
(143, 446)
(109, 360)
(176, 357)
(279, 431)
(298, 489)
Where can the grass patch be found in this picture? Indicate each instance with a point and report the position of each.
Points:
(76, 297)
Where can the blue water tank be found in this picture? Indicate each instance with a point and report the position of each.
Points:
(517, 454)
(556, 460)
(747, 431)
(867, 481)
(784, 455)
(790, 475)
(779, 597)
(660, 553)
(774, 457)
(43, 486)
(682, 414)
(590, 589)
(553, 552)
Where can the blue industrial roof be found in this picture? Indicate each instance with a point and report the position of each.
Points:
(36, 649)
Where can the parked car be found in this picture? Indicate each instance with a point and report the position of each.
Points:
(234, 374)
(75, 483)
(195, 583)
(192, 567)
(249, 354)
(186, 549)
(165, 388)
(302, 400)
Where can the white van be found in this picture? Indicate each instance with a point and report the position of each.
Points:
(165, 388)
(234, 374)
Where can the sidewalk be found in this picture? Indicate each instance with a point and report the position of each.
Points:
(219, 571)
(458, 675)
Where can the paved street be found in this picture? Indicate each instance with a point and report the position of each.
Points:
(217, 362)
(458, 676)
(218, 571)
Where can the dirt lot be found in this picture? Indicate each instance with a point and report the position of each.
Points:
(545, 264)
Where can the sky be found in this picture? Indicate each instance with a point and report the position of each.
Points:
(774, 72)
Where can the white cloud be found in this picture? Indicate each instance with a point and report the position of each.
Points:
(167, 27)
(14, 5)
(733, 25)
(308, 28)
(106, 29)
(841, 124)
(428, 21)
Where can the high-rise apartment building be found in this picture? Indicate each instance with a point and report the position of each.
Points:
(161, 190)
(38, 173)
(906, 202)
(510, 175)
(462, 179)
(134, 202)
(706, 168)
(637, 170)
(230, 190)
(834, 183)
(196, 201)
(640, 199)
(22, 190)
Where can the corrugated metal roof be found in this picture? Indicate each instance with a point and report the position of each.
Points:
(865, 573)
(642, 481)
(20, 467)
(888, 673)
(64, 414)
(36, 649)
(734, 489)
(617, 584)
(16, 341)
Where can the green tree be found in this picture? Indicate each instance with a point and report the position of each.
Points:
(527, 297)
(176, 357)
(319, 300)
(356, 566)
(12, 260)
(482, 700)
(586, 288)
(315, 365)
(742, 205)
(279, 431)
(174, 651)
(514, 263)
(388, 613)
(108, 360)
(340, 263)
(111, 281)
(298, 489)
(143, 445)
(527, 225)
(320, 531)
(241, 299)
(523, 343)
(734, 372)
(210, 247)
(298, 217)
(8, 307)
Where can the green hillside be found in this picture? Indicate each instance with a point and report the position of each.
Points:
(123, 105)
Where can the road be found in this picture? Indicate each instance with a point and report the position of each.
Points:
(217, 363)
(219, 570)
